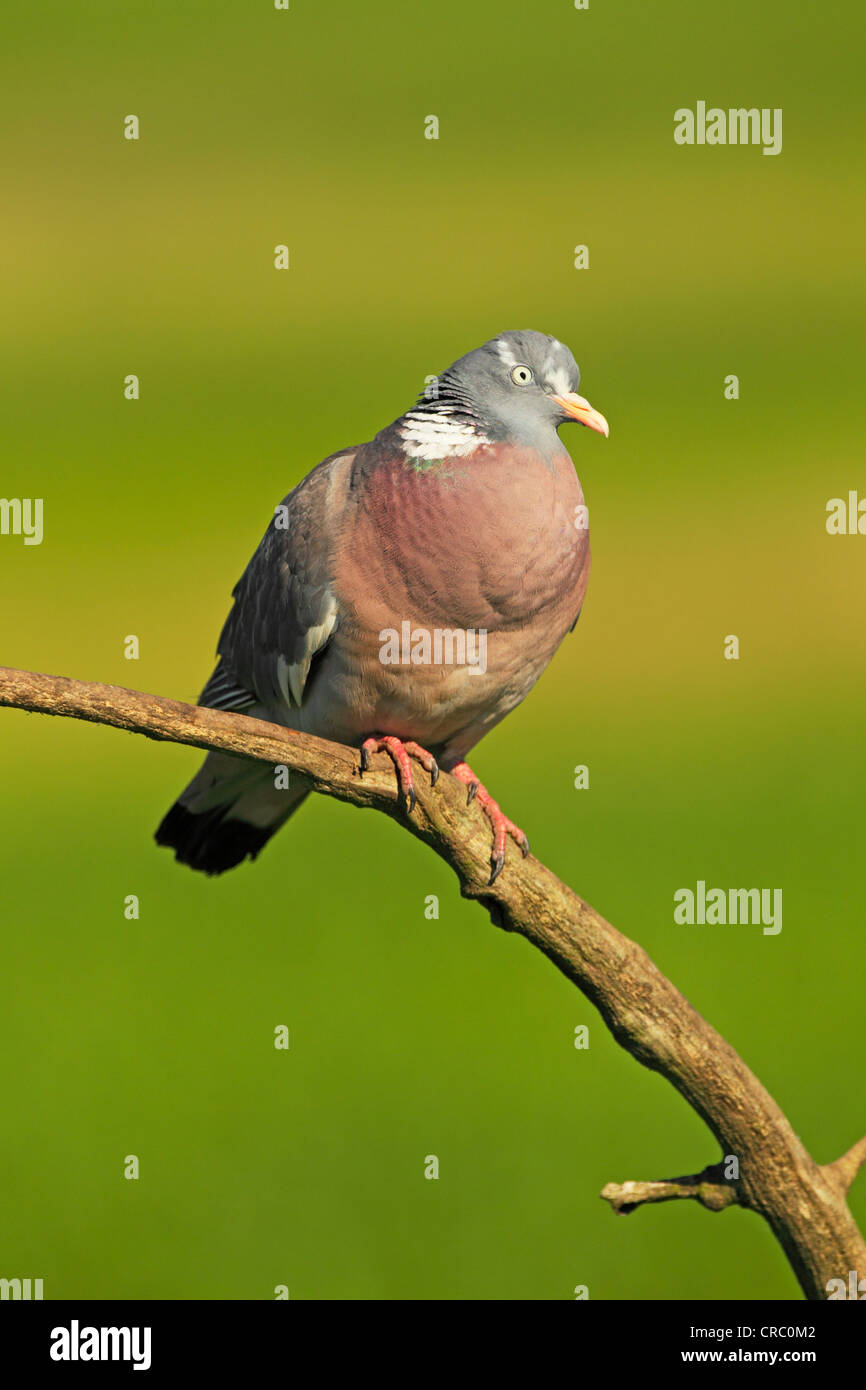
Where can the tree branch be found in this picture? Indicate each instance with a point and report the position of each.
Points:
(846, 1168)
(803, 1203)
(707, 1187)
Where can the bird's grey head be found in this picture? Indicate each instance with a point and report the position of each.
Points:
(519, 386)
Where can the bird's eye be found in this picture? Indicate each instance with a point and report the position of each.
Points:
(521, 376)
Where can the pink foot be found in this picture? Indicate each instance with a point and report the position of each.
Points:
(502, 826)
(400, 753)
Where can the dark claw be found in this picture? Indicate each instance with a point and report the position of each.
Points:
(365, 761)
(434, 773)
(411, 799)
(497, 862)
(524, 847)
(473, 788)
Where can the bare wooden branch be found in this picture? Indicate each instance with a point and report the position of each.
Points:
(803, 1202)
(846, 1168)
(708, 1188)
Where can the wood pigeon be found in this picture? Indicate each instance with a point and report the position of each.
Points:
(406, 595)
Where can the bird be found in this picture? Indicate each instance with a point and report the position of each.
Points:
(406, 596)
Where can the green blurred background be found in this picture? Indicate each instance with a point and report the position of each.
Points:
(409, 1036)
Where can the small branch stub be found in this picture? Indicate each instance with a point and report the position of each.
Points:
(708, 1188)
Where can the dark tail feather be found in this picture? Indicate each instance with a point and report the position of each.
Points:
(209, 841)
(212, 825)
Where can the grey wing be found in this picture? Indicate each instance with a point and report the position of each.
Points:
(284, 608)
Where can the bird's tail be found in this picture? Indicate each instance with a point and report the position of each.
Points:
(230, 809)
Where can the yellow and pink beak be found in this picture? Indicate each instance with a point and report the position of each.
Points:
(576, 408)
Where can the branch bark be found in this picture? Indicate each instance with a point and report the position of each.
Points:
(804, 1203)
(709, 1188)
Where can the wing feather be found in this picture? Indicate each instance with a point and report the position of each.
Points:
(284, 610)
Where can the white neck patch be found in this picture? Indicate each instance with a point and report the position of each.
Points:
(434, 435)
